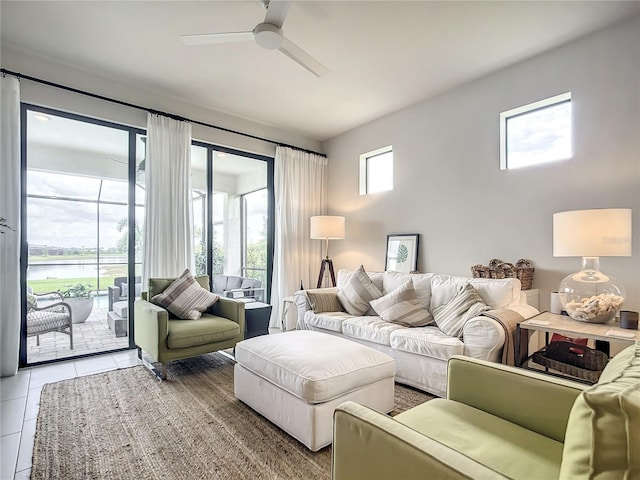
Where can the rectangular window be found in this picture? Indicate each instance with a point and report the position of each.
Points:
(536, 133)
(376, 171)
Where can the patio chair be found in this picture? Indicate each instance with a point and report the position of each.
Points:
(53, 317)
(239, 288)
(119, 291)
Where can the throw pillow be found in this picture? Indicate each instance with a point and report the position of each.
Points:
(185, 298)
(401, 306)
(603, 437)
(358, 291)
(452, 316)
(324, 302)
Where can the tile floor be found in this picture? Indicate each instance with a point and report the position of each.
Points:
(20, 400)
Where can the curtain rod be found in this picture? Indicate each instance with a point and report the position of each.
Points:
(4, 71)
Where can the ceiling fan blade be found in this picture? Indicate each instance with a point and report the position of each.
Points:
(211, 38)
(301, 57)
(276, 12)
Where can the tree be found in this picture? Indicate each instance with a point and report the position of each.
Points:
(123, 242)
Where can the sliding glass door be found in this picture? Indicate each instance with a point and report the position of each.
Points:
(76, 240)
(239, 240)
(84, 212)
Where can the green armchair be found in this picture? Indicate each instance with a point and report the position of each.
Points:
(164, 337)
(501, 422)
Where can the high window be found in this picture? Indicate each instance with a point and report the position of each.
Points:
(536, 133)
(376, 171)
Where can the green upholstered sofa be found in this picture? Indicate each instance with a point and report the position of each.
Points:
(501, 422)
(165, 338)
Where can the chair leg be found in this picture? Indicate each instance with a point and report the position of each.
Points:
(164, 371)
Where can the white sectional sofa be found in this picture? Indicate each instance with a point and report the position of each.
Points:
(421, 353)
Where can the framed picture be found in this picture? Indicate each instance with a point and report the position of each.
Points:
(402, 253)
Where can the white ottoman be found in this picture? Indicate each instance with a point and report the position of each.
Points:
(297, 379)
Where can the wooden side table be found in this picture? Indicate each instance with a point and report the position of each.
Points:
(550, 323)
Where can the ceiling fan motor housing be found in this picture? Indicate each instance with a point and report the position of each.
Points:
(268, 36)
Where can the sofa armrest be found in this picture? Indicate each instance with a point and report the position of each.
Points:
(535, 401)
(230, 309)
(368, 445)
(150, 327)
(302, 302)
(483, 338)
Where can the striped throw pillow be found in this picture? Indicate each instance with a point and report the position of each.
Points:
(452, 316)
(324, 302)
(357, 292)
(185, 298)
(401, 306)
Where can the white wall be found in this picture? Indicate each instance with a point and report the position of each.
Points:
(448, 185)
(39, 94)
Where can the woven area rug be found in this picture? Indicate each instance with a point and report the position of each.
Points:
(126, 425)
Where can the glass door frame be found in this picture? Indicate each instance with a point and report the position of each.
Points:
(24, 251)
(270, 161)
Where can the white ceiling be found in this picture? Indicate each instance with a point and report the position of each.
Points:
(381, 55)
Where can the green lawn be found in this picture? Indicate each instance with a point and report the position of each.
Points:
(54, 284)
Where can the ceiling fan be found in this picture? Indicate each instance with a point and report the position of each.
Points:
(267, 34)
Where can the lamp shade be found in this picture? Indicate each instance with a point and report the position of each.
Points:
(604, 232)
(327, 227)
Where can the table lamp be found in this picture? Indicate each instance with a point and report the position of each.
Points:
(327, 227)
(591, 295)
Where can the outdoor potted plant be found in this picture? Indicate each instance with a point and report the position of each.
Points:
(79, 298)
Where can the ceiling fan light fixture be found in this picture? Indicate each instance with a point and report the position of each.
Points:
(268, 36)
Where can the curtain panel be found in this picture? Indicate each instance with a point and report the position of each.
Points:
(300, 188)
(10, 311)
(168, 226)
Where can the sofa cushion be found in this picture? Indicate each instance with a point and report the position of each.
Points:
(505, 447)
(233, 282)
(185, 298)
(401, 306)
(452, 316)
(124, 289)
(356, 293)
(121, 308)
(327, 320)
(426, 341)
(603, 432)
(324, 302)
(220, 283)
(421, 284)
(206, 329)
(344, 276)
(497, 293)
(250, 283)
(370, 329)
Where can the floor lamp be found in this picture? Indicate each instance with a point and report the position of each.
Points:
(327, 227)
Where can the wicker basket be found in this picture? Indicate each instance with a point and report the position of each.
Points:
(589, 375)
(522, 270)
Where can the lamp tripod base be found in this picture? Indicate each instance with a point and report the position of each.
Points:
(325, 262)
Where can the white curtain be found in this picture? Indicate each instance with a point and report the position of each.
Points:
(10, 239)
(300, 188)
(168, 226)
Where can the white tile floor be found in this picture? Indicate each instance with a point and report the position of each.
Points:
(20, 400)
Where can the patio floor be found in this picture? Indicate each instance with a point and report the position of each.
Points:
(92, 336)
